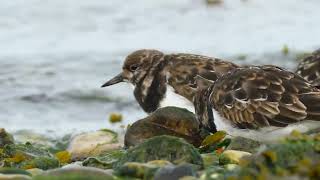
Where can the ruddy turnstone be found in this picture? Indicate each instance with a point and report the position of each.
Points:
(167, 79)
(255, 100)
(309, 68)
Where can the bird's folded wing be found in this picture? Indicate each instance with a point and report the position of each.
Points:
(254, 97)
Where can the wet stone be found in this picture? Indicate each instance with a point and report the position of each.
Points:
(171, 121)
(169, 148)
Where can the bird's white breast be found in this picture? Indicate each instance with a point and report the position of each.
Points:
(173, 99)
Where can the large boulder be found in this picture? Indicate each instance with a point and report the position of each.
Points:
(171, 121)
(93, 144)
(173, 149)
(75, 173)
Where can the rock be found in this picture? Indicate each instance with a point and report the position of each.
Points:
(171, 121)
(5, 138)
(93, 144)
(210, 159)
(85, 173)
(35, 171)
(175, 172)
(244, 144)
(213, 173)
(26, 156)
(141, 170)
(105, 160)
(43, 140)
(15, 171)
(14, 177)
(214, 2)
(295, 157)
(28, 136)
(115, 118)
(232, 156)
(173, 149)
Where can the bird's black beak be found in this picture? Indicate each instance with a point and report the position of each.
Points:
(115, 80)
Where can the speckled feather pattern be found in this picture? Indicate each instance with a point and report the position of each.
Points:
(260, 96)
(309, 68)
(157, 70)
(183, 68)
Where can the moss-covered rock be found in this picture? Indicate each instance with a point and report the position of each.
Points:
(26, 156)
(175, 172)
(6, 170)
(80, 173)
(93, 144)
(232, 157)
(210, 159)
(297, 156)
(244, 144)
(173, 149)
(53, 144)
(5, 138)
(35, 171)
(141, 170)
(171, 121)
(14, 177)
(105, 160)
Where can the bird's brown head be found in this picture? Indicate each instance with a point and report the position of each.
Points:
(136, 66)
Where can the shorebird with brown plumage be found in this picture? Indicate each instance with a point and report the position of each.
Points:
(259, 102)
(167, 79)
(309, 68)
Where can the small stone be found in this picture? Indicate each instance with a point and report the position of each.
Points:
(232, 156)
(141, 170)
(171, 121)
(214, 2)
(105, 160)
(35, 171)
(175, 172)
(5, 138)
(5, 170)
(244, 144)
(14, 177)
(75, 173)
(169, 148)
(93, 144)
(210, 159)
(115, 118)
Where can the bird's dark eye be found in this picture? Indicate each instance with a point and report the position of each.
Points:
(134, 67)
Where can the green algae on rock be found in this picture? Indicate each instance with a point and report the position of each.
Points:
(244, 144)
(105, 160)
(54, 145)
(79, 173)
(173, 149)
(7, 170)
(175, 172)
(171, 121)
(232, 157)
(141, 170)
(27, 156)
(93, 143)
(296, 156)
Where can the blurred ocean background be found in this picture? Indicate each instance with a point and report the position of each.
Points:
(55, 54)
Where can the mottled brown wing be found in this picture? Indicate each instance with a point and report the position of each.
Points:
(254, 97)
(185, 67)
(309, 68)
